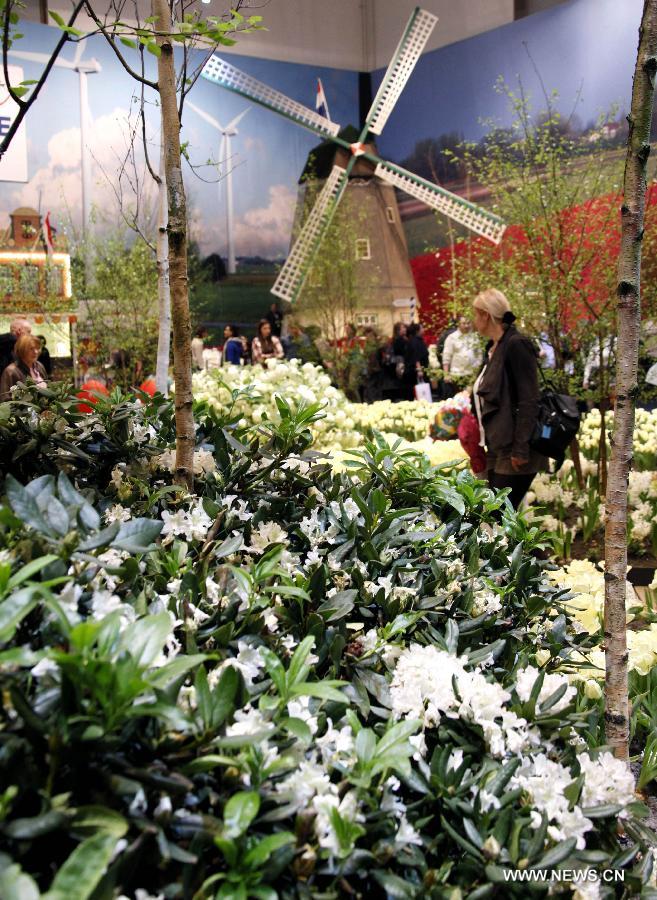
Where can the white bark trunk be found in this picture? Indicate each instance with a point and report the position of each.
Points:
(163, 291)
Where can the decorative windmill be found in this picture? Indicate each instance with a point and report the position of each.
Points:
(83, 67)
(292, 276)
(227, 133)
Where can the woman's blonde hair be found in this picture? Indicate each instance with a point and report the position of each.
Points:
(24, 343)
(493, 302)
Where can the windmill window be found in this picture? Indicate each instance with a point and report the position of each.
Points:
(363, 250)
(390, 215)
(367, 319)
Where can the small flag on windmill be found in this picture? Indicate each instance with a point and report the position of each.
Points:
(321, 106)
(48, 235)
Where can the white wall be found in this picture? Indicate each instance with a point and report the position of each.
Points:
(457, 20)
(346, 34)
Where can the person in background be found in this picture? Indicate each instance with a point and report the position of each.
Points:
(299, 345)
(26, 351)
(275, 319)
(198, 343)
(399, 330)
(416, 359)
(546, 351)
(442, 337)
(374, 372)
(44, 356)
(506, 396)
(233, 349)
(18, 327)
(601, 351)
(265, 345)
(461, 356)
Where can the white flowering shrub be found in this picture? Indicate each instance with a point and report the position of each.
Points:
(293, 683)
(343, 425)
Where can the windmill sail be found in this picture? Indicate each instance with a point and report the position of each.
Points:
(473, 217)
(408, 51)
(293, 274)
(221, 72)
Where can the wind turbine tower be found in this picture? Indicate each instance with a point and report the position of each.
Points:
(225, 159)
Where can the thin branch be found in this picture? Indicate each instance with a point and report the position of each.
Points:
(110, 40)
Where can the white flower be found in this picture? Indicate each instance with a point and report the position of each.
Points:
(545, 782)
(607, 780)
(300, 709)
(307, 780)
(406, 834)
(324, 805)
(45, 668)
(525, 679)
(248, 722)
(248, 661)
(117, 513)
(267, 533)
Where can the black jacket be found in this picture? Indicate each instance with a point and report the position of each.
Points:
(509, 394)
(416, 352)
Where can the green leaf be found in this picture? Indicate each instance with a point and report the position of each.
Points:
(99, 818)
(30, 569)
(319, 689)
(14, 609)
(100, 539)
(83, 870)
(258, 855)
(556, 855)
(36, 826)
(17, 885)
(240, 810)
(395, 887)
(154, 48)
(338, 606)
(137, 535)
(25, 506)
(299, 657)
(365, 745)
(144, 639)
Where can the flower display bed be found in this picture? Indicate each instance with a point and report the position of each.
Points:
(293, 682)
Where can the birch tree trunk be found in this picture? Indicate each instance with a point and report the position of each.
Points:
(163, 292)
(177, 235)
(629, 327)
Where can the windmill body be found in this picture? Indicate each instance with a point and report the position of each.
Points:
(294, 273)
(368, 228)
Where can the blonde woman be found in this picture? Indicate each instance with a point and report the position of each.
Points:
(506, 396)
(26, 352)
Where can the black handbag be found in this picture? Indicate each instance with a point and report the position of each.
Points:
(557, 422)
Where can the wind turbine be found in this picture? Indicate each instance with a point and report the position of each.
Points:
(292, 276)
(83, 68)
(227, 133)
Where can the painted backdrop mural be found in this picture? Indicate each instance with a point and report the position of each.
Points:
(268, 153)
(585, 46)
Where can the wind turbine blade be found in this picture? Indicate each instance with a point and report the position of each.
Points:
(416, 34)
(233, 79)
(78, 53)
(43, 58)
(292, 276)
(233, 124)
(473, 217)
(208, 118)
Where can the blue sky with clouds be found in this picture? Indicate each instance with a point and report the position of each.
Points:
(269, 151)
(583, 43)
(587, 43)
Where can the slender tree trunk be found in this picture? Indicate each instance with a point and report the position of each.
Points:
(629, 328)
(163, 292)
(177, 234)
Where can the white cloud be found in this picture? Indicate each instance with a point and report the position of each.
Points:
(60, 180)
(263, 231)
